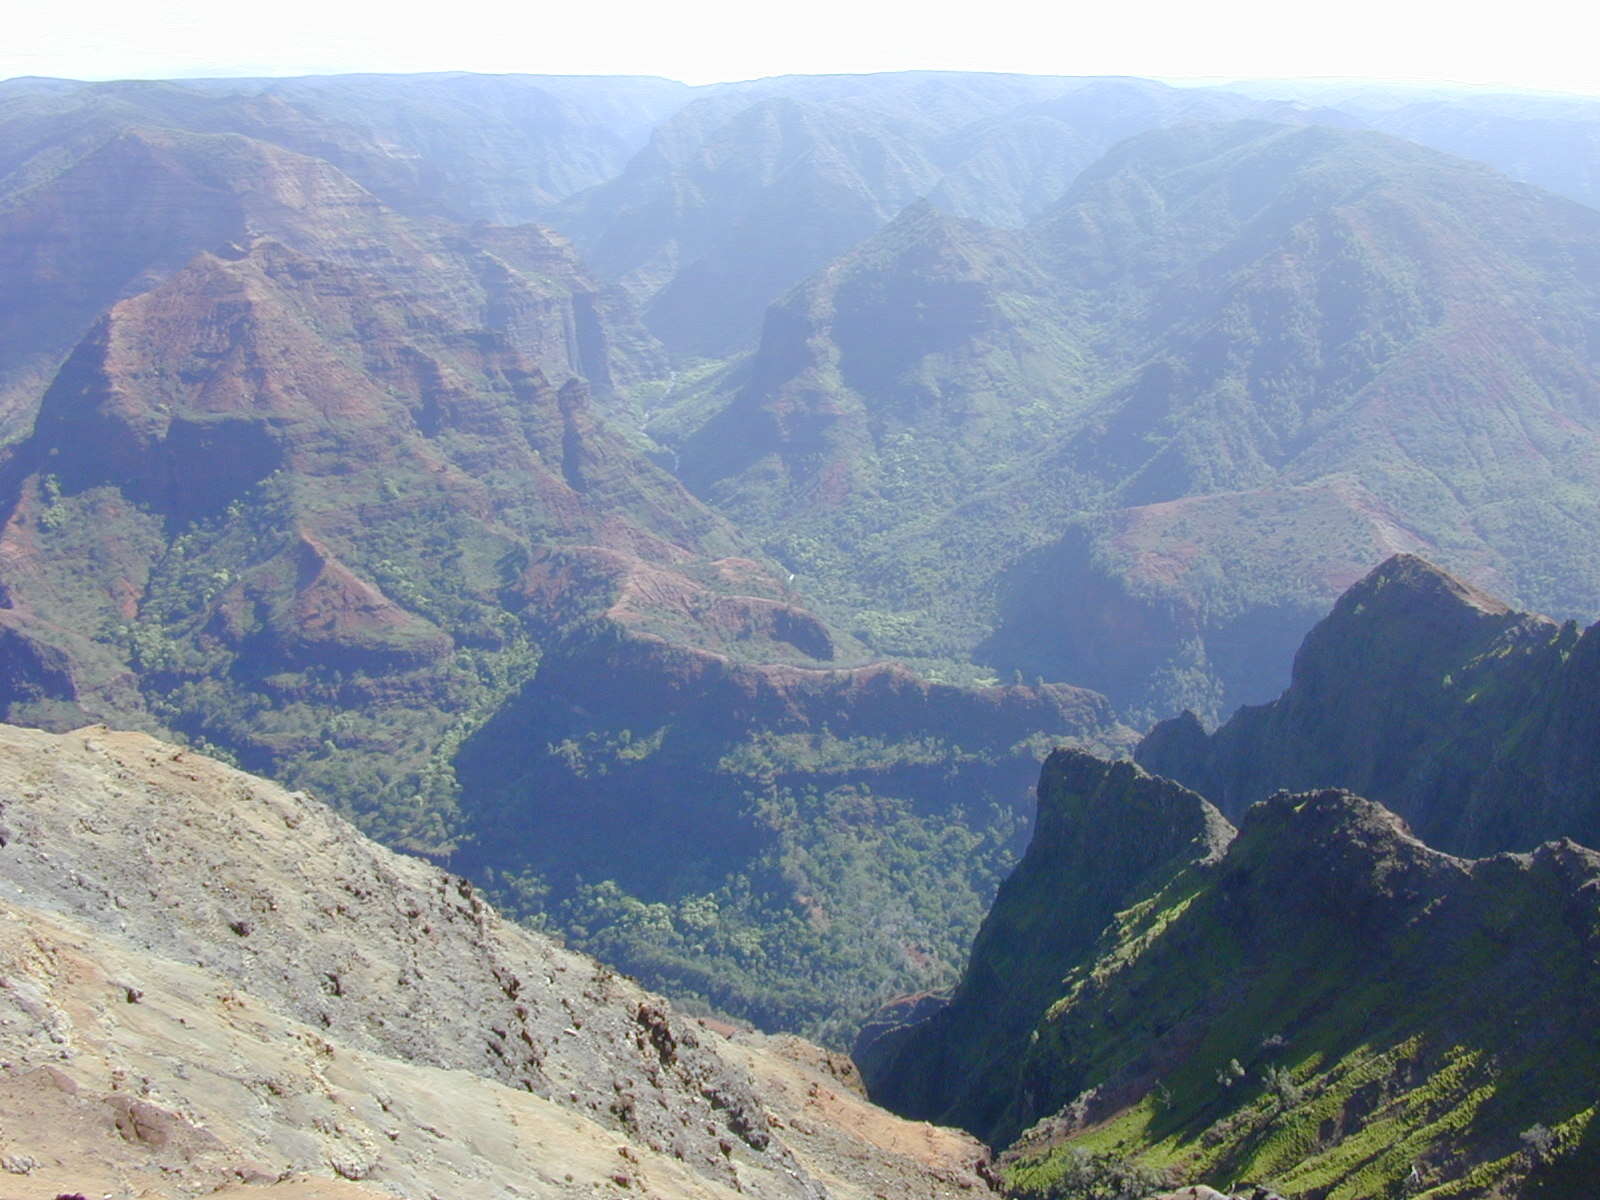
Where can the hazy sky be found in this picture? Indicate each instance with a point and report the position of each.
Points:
(1532, 44)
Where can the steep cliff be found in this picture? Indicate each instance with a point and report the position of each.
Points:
(1477, 724)
(120, 200)
(1323, 1002)
(1337, 1009)
(1107, 836)
(285, 503)
(343, 479)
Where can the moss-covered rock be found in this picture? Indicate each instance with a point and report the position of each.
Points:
(1478, 724)
(1107, 836)
(1327, 1004)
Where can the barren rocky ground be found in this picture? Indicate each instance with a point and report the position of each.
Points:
(208, 982)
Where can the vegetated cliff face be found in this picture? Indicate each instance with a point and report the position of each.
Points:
(1479, 725)
(1179, 412)
(1106, 837)
(791, 844)
(210, 981)
(1326, 1003)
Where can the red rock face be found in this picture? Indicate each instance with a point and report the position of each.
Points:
(349, 416)
(133, 206)
(337, 616)
(656, 600)
(635, 678)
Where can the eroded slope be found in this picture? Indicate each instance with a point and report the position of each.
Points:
(210, 978)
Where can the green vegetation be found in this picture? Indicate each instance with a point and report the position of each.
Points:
(376, 740)
(796, 880)
(856, 899)
(310, 504)
(1306, 1018)
(1432, 698)
(1322, 1004)
(1174, 435)
(1080, 1175)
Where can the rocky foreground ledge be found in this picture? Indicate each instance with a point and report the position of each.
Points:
(211, 985)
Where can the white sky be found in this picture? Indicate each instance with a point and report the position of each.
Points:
(1533, 44)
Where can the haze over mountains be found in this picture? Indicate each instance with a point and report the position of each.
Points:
(908, 424)
(695, 514)
(1228, 367)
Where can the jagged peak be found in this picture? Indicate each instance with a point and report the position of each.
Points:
(1180, 739)
(1334, 812)
(1574, 863)
(922, 224)
(1084, 772)
(1334, 850)
(1088, 800)
(921, 211)
(1400, 616)
(1413, 575)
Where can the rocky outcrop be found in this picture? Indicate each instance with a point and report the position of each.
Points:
(637, 678)
(207, 979)
(1474, 722)
(1300, 1002)
(1333, 973)
(311, 498)
(30, 667)
(1107, 836)
(113, 204)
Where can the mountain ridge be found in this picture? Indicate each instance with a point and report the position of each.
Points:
(1276, 346)
(336, 477)
(1433, 697)
(1292, 1006)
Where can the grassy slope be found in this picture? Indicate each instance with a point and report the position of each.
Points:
(1332, 1006)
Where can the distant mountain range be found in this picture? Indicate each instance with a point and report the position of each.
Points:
(1138, 443)
(698, 511)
